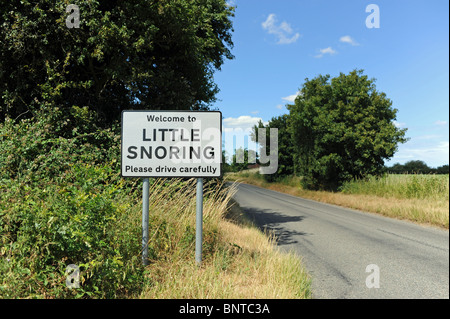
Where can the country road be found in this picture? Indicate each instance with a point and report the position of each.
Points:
(337, 244)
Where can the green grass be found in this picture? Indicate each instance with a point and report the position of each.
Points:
(239, 261)
(402, 186)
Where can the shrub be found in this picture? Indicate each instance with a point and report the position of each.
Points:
(62, 202)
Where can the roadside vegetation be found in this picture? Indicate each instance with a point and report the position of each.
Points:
(63, 202)
(239, 261)
(62, 199)
(419, 198)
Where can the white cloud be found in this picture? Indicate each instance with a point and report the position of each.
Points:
(427, 137)
(243, 122)
(282, 31)
(279, 106)
(237, 133)
(348, 39)
(231, 3)
(291, 98)
(399, 124)
(433, 153)
(328, 50)
(440, 123)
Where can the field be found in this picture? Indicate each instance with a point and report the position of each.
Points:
(402, 186)
(422, 199)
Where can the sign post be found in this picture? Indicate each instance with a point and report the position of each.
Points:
(199, 222)
(183, 144)
(145, 204)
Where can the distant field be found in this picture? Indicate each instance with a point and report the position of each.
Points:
(402, 186)
(422, 199)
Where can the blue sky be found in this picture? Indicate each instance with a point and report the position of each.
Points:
(277, 44)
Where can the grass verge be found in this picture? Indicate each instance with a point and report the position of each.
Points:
(418, 198)
(239, 261)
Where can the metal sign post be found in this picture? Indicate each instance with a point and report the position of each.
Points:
(145, 198)
(199, 222)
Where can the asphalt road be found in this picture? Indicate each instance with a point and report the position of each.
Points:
(337, 245)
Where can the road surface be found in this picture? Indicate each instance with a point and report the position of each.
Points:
(351, 254)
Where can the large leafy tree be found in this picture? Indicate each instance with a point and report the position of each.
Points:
(285, 148)
(148, 54)
(342, 128)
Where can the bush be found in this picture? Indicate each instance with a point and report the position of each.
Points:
(83, 222)
(42, 148)
(62, 201)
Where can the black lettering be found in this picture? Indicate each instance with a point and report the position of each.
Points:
(173, 151)
(161, 118)
(144, 138)
(193, 135)
(192, 151)
(132, 150)
(171, 130)
(149, 153)
(181, 137)
(163, 130)
(164, 152)
(210, 154)
(173, 134)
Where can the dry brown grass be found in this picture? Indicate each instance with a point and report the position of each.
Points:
(254, 270)
(239, 262)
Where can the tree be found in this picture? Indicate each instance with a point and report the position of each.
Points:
(240, 159)
(285, 146)
(125, 55)
(342, 129)
(444, 169)
(416, 167)
(397, 168)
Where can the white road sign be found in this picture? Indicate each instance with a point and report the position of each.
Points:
(171, 144)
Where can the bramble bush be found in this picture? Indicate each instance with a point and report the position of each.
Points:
(62, 201)
(42, 147)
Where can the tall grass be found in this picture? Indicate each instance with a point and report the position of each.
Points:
(413, 186)
(238, 260)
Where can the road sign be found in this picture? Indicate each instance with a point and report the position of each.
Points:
(171, 144)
